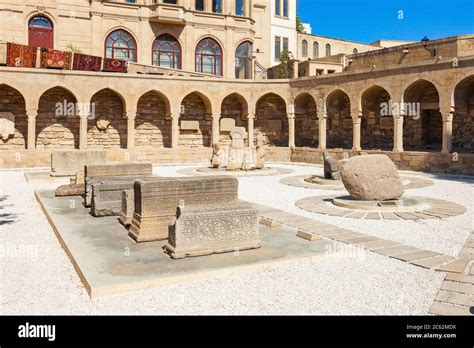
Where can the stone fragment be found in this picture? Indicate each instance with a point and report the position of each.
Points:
(269, 223)
(199, 230)
(68, 163)
(332, 167)
(128, 206)
(70, 190)
(190, 125)
(372, 178)
(7, 125)
(107, 197)
(307, 236)
(156, 201)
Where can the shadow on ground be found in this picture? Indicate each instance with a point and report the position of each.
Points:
(6, 218)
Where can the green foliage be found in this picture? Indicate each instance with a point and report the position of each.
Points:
(285, 68)
(73, 49)
(299, 24)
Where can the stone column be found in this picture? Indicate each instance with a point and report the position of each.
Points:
(84, 111)
(131, 129)
(356, 131)
(291, 130)
(31, 139)
(447, 133)
(215, 128)
(174, 130)
(322, 132)
(398, 133)
(250, 120)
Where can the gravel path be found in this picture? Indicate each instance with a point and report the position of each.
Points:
(36, 276)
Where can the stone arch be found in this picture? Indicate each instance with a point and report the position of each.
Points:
(423, 123)
(153, 122)
(306, 121)
(463, 120)
(234, 107)
(377, 127)
(195, 121)
(339, 121)
(107, 127)
(57, 122)
(12, 110)
(272, 119)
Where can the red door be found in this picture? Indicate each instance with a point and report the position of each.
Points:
(40, 32)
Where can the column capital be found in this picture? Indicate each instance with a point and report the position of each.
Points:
(131, 114)
(357, 120)
(291, 116)
(251, 116)
(448, 117)
(216, 116)
(32, 113)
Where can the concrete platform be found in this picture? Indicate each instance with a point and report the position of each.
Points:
(108, 261)
(45, 178)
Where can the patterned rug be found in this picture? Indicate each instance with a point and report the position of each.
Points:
(86, 62)
(55, 59)
(21, 55)
(115, 65)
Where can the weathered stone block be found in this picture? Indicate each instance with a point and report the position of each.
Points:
(70, 190)
(199, 230)
(68, 163)
(190, 125)
(128, 206)
(227, 124)
(156, 201)
(107, 197)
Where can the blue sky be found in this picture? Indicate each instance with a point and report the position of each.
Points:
(370, 20)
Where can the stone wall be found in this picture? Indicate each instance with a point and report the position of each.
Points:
(424, 133)
(339, 123)
(376, 132)
(195, 110)
(108, 108)
(463, 129)
(271, 119)
(152, 126)
(12, 101)
(306, 123)
(232, 108)
(55, 128)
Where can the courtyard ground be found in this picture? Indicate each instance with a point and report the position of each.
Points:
(39, 279)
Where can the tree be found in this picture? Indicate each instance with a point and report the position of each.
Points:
(285, 68)
(299, 24)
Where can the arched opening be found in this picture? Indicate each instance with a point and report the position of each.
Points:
(272, 120)
(306, 122)
(463, 121)
(423, 124)
(57, 122)
(107, 128)
(328, 50)
(377, 123)
(120, 44)
(209, 57)
(339, 121)
(152, 123)
(13, 119)
(243, 61)
(315, 50)
(234, 112)
(195, 121)
(167, 52)
(304, 49)
(40, 32)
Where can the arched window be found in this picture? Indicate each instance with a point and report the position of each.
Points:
(40, 32)
(354, 51)
(315, 50)
(209, 57)
(304, 48)
(243, 61)
(121, 45)
(167, 52)
(328, 50)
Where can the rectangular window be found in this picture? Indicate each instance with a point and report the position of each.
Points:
(174, 2)
(239, 7)
(277, 47)
(199, 5)
(217, 6)
(285, 8)
(285, 44)
(277, 8)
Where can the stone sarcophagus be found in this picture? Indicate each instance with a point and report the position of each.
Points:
(199, 230)
(156, 201)
(102, 173)
(107, 197)
(68, 163)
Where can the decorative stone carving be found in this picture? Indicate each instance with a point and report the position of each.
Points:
(332, 167)
(199, 230)
(7, 125)
(217, 158)
(238, 136)
(102, 125)
(68, 163)
(232, 163)
(246, 162)
(156, 201)
(260, 161)
(372, 178)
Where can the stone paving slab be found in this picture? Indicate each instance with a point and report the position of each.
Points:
(417, 255)
(461, 278)
(439, 308)
(455, 298)
(433, 262)
(396, 250)
(464, 288)
(378, 244)
(457, 266)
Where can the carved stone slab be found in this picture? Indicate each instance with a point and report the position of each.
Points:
(156, 202)
(128, 206)
(190, 125)
(68, 163)
(7, 125)
(227, 124)
(200, 230)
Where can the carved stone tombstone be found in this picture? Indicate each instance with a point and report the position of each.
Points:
(260, 162)
(7, 125)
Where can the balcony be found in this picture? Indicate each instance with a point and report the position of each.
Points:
(162, 12)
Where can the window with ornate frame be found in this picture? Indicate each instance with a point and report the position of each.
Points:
(209, 57)
(243, 61)
(167, 52)
(120, 44)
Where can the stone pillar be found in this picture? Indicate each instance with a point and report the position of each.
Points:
(174, 130)
(447, 133)
(215, 128)
(84, 112)
(291, 130)
(250, 119)
(398, 133)
(131, 130)
(356, 121)
(31, 139)
(322, 132)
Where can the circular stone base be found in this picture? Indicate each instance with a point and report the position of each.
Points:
(414, 208)
(402, 204)
(317, 180)
(223, 171)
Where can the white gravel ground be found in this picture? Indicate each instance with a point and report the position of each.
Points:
(41, 280)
